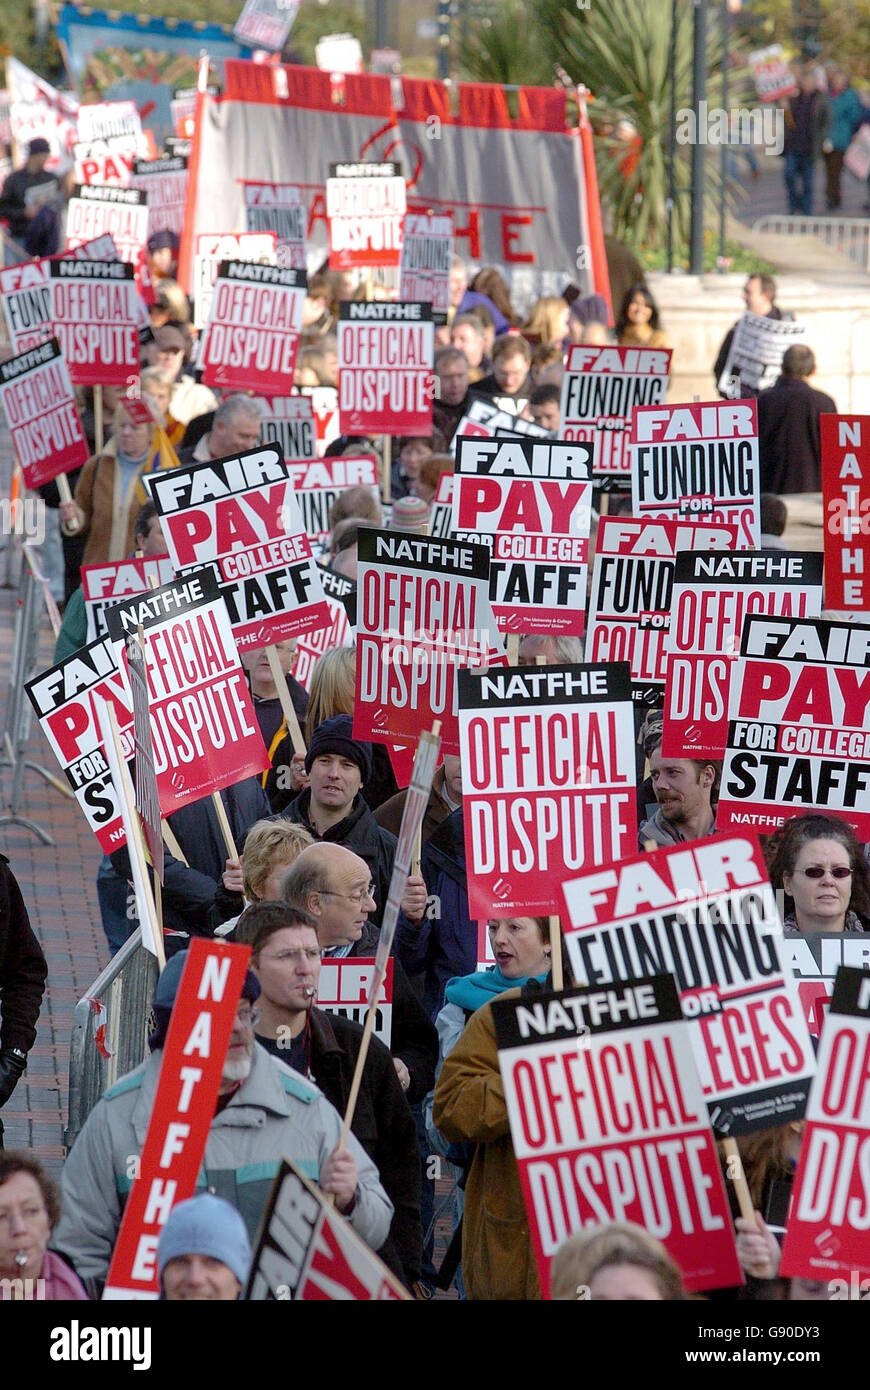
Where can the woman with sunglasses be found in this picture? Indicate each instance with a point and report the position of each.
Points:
(821, 868)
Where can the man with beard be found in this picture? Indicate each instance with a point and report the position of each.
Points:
(265, 1112)
(684, 789)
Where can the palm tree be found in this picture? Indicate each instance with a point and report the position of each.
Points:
(621, 52)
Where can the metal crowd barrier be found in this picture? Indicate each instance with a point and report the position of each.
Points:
(848, 235)
(110, 1029)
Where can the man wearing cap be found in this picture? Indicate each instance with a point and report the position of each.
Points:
(16, 207)
(265, 1112)
(332, 807)
(189, 398)
(203, 1254)
(163, 255)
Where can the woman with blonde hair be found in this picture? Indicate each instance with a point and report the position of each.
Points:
(271, 846)
(616, 1263)
(110, 493)
(547, 321)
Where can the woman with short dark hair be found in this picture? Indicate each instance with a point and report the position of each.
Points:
(29, 1212)
(821, 868)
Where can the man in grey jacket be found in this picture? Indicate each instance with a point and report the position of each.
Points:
(265, 1112)
(684, 789)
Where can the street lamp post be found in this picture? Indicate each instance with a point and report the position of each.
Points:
(699, 89)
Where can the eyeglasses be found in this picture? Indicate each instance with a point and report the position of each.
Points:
(816, 871)
(307, 953)
(248, 1018)
(357, 898)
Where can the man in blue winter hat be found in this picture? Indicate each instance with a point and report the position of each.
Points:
(203, 1253)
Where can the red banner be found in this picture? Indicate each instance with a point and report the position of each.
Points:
(385, 379)
(96, 310)
(190, 1075)
(253, 330)
(846, 498)
(826, 1234)
(40, 406)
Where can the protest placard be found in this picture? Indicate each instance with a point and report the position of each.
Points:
(95, 311)
(310, 646)
(25, 293)
(40, 407)
(814, 958)
(365, 209)
(826, 1234)
(164, 182)
(147, 795)
(178, 1128)
(385, 368)
(427, 252)
(106, 161)
(797, 731)
(485, 420)
(548, 773)
(422, 610)
(846, 501)
(318, 482)
(531, 503)
(608, 1123)
(212, 249)
(600, 389)
(771, 74)
(64, 700)
(290, 425)
(698, 463)
(307, 1251)
(265, 23)
(105, 584)
(756, 352)
(712, 596)
(253, 329)
(107, 120)
(441, 513)
(278, 208)
(240, 517)
(324, 408)
(706, 914)
(96, 210)
(630, 599)
(203, 726)
(344, 990)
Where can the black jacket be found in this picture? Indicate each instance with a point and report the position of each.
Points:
(414, 1039)
(379, 788)
(359, 832)
(189, 890)
(789, 444)
(382, 1123)
(22, 967)
(13, 199)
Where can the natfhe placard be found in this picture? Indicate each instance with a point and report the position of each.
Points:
(204, 730)
(253, 329)
(422, 610)
(318, 483)
(164, 181)
(531, 503)
(344, 990)
(213, 248)
(278, 208)
(712, 595)
(600, 390)
(107, 162)
(826, 1235)
(95, 210)
(798, 737)
(95, 311)
(698, 462)
(427, 253)
(814, 958)
(609, 1124)
(290, 426)
(385, 378)
(706, 914)
(630, 599)
(39, 403)
(239, 516)
(365, 209)
(846, 498)
(64, 698)
(107, 583)
(548, 776)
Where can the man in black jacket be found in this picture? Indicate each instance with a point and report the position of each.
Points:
(16, 207)
(325, 1047)
(332, 807)
(329, 882)
(759, 294)
(22, 983)
(789, 439)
